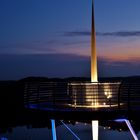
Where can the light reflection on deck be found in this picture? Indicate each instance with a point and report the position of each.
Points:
(92, 106)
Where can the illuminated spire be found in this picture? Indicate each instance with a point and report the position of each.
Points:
(94, 74)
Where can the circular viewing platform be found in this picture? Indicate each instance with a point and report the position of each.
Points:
(80, 97)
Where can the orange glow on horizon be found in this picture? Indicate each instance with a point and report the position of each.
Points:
(120, 51)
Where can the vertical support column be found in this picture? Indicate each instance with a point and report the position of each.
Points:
(70, 131)
(95, 127)
(131, 129)
(53, 130)
(129, 126)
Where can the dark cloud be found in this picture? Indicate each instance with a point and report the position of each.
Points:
(75, 42)
(48, 65)
(37, 46)
(77, 33)
(120, 33)
(107, 68)
(60, 65)
(110, 62)
(27, 47)
(131, 61)
(115, 34)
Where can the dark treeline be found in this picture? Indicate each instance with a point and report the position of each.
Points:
(82, 79)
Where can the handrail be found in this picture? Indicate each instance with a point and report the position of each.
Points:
(63, 94)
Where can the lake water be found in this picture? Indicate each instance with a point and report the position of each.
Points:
(81, 130)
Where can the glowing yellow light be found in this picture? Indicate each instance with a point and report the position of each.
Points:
(104, 103)
(94, 106)
(95, 124)
(107, 91)
(76, 122)
(109, 96)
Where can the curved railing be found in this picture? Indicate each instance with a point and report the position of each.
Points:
(54, 95)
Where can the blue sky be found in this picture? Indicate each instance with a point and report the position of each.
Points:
(52, 38)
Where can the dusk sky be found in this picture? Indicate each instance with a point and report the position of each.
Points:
(51, 38)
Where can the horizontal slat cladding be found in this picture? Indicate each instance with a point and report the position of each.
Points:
(45, 92)
(94, 94)
(59, 93)
(130, 95)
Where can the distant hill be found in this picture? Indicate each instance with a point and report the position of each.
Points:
(80, 79)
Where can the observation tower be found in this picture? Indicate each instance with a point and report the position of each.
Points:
(93, 94)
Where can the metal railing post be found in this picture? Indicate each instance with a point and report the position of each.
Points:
(53, 130)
